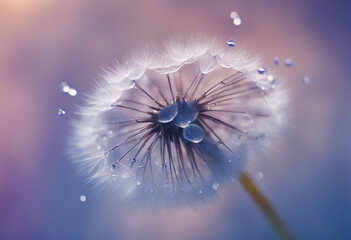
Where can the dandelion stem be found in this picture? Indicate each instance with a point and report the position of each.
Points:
(266, 207)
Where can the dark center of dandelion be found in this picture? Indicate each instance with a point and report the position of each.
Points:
(181, 116)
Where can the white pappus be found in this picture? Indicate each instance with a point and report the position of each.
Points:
(171, 126)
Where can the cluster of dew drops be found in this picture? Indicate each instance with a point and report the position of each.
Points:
(67, 89)
(237, 20)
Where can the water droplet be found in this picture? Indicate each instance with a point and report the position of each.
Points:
(116, 103)
(305, 80)
(271, 80)
(288, 62)
(186, 114)
(114, 165)
(72, 92)
(138, 183)
(98, 147)
(165, 183)
(259, 176)
(140, 166)
(231, 43)
(276, 60)
(215, 186)
(262, 70)
(237, 21)
(61, 112)
(193, 133)
(234, 15)
(83, 198)
(168, 113)
(64, 87)
(229, 161)
(132, 162)
(200, 191)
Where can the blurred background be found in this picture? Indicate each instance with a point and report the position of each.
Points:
(306, 175)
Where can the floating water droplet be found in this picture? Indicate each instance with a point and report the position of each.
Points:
(305, 80)
(61, 112)
(200, 191)
(64, 87)
(237, 21)
(234, 15)
(168, 113)
(288, 62)
(193, 133)
(276, 60)
(98, 147)
(231, 43)
(229, 161)
(262, 70)
(138, 183)
(82, 198)
(72, 92)
(259, 176)
(140, 166)
(215, 186)
(114, 165)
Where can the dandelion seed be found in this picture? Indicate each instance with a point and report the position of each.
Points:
(171, 126)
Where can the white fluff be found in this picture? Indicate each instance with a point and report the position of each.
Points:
(94, 134)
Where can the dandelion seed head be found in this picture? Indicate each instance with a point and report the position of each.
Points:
(171, 126)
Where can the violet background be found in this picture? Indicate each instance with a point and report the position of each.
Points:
(306, 173)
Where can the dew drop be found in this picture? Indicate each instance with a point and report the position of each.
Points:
(271, 81)
(276, 60)
(193, 133)
(305, 80)
(262, 70)
(61, 112)
(132, 162)
(186, 114)
(288, 62)
(231, 43)
(237, 21)
(259, 176)
(168, 113)
(215, 186)
(82, 198)
(234, 15)
(64, 87)
(72, 92)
